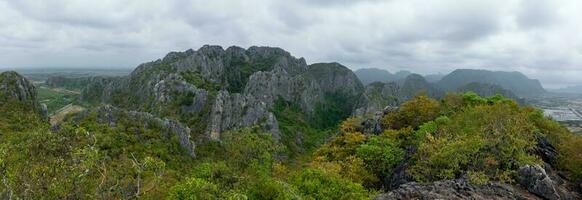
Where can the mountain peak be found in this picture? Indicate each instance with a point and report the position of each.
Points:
(15, 87)
(513, 81)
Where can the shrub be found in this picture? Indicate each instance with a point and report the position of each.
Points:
(380, 155)
(194, 189)
(413, 113)
(567, 143)
(489, 139)
(316, 184)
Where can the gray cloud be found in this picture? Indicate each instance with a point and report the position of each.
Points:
(537, 37)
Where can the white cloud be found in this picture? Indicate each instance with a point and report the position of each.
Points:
(537, 37)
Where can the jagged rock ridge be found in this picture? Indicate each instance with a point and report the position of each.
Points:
(378, 95)
(111, 116)
(14, 87)
(371, 75)
(214, 90)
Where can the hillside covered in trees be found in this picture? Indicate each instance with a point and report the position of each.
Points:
(259, 123)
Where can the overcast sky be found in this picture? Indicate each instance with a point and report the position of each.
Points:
(542, 39)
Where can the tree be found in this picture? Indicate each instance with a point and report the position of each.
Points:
(380, 155)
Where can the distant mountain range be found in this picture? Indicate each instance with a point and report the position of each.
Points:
(576, 89)
(370, 75)
(515, 82)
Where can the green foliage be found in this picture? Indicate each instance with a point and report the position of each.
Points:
(335, 108)
(568, 144)
(478, 178)
(196, 79)
(97, 161)
(17, 117)
(355, 157)
(250, 148)
(55, 98)
(472, 99)
(571, 155)
(240, 70)
(194, 189)
(243, 167)
(342, 146)
(299, 135)
(413, 113)
(271, 188)
(489, 139)
(380, 155)
(316, 184)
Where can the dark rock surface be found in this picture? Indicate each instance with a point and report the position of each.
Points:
(535, 179)
(545, 183)
(455, 189)
(546, 151)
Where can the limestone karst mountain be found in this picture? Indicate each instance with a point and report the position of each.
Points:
(486, 90)
(214, 89)
(13, 86)
(370, 75)
(234, 110)
(513, 81)
(17, 89)
(378, 95)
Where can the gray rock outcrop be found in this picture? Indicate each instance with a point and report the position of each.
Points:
(111, 115)
(455, 189)
(535, 179)
(228, 89)
(376, 97)
(13, 86)
(231, 111)
(545, 184)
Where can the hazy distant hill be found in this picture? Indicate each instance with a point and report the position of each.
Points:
(433, 78)
(370, 75)
(486, 90)
(576, 89)
(513, 81)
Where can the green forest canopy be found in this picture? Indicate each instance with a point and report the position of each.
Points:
(485, 139)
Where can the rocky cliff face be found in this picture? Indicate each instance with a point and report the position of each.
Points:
(112, 116)
(534, 183)
(16, 88)
(215, 90)
(378, 95)
(415, 84)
